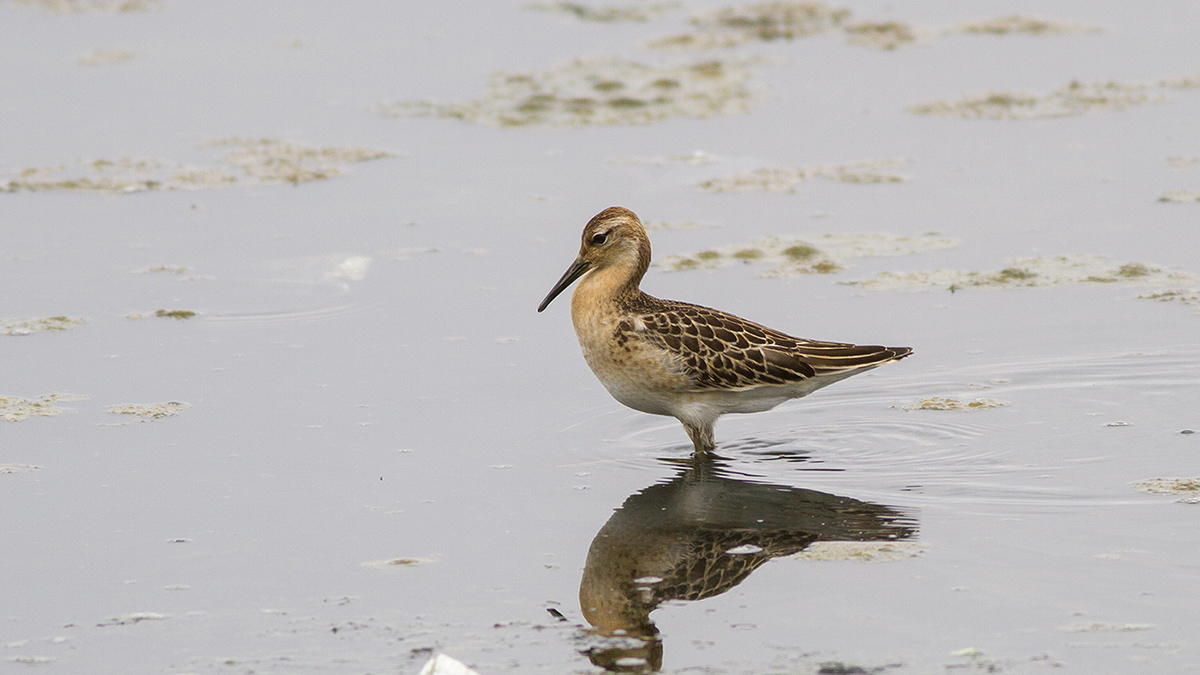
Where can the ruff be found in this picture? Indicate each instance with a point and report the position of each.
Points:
(690, 362)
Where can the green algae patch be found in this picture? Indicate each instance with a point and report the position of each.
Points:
(819, 267)
(885, 35)
(764, 21)
(1182, 296)
(769, 21)
(890, 35)
(1133, 271)
(1185, 82)
(789, 180)
(1031, 272)
(634, 13)
(1180, 196)
(1170, 486)
(810, 254)
(774, 20)
(90, 6)
(270, 160)
(860, 551)
(604, 90)
(177, 314)
(17, 468)
(1075, 98)
(800, 252)
(246, 161)
(947, 403)
(38, 325)
(149, 411)
(14, 409)
(1029, 25)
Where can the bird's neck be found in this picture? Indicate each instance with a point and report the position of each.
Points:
(603, 290)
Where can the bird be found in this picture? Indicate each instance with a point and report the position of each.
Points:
(690, 362)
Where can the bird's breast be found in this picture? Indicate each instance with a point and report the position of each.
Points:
(636, 371)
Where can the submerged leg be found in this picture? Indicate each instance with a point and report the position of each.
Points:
(702, 438)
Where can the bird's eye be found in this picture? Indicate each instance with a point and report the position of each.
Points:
(599, 238)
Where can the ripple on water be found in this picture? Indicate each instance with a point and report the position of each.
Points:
(888, 445)
(1143, 369)
(1139, 371)
(1028, 453)
(903, 445)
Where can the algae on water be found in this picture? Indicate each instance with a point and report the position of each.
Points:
(797, 255)
(1181, 196)
(149, 411)
(603, 90)
(769, 21)
(1182, 296)
(1171, 486)
(15, 409)
(38, 325)
(885, 35)
(763, 21)
(635, 13)
(17, 468)
(1074, 98)
(1031, 272)
(788, 180)
(1015, 23)
(246, 161)
(946, 403)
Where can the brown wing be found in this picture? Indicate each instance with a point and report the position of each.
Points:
(722, 351)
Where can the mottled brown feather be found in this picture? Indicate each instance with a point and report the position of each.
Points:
(722, 351)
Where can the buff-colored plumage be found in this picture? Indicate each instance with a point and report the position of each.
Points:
(690, 362)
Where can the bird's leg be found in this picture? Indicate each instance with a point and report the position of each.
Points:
(702, 438)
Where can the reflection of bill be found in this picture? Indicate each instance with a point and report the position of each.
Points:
(699, 535)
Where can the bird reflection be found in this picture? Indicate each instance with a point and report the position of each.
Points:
(698, 535)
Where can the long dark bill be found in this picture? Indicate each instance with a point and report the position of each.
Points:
(573, 272)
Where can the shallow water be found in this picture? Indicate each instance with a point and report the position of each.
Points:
(385, 452)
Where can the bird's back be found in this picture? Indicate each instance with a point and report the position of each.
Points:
(720, 351)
